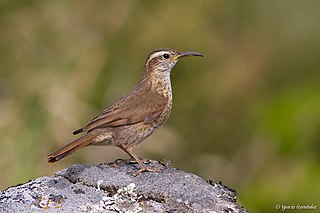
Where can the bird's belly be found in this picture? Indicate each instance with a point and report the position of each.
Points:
(131, 135)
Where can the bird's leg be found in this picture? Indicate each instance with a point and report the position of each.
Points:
(143, 168)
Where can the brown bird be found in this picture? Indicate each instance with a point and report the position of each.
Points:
(136, 115)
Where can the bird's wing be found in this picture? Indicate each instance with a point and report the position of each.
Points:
(130, 110)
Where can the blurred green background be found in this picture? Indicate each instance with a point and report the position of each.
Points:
(247, 114)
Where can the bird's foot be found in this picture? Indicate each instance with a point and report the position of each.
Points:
(146, 169)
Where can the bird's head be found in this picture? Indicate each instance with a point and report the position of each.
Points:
(162, 61)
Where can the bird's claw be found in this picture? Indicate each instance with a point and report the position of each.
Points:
(146, 169)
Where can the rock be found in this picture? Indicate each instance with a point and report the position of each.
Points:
(111, 187)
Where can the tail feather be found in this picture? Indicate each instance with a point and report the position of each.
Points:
(71, 147)
(78, 131)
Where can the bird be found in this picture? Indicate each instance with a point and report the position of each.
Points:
(136, 115)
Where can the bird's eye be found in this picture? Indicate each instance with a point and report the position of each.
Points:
(166, 56)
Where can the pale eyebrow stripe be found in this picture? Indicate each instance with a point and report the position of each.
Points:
(157, 54)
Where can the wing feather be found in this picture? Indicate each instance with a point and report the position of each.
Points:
(130, 110)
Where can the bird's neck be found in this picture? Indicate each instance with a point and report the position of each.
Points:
(158, 81)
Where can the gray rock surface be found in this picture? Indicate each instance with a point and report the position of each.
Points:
(111, 187)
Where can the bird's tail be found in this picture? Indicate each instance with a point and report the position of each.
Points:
(71, 147)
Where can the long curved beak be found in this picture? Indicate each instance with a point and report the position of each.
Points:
(187, 53)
